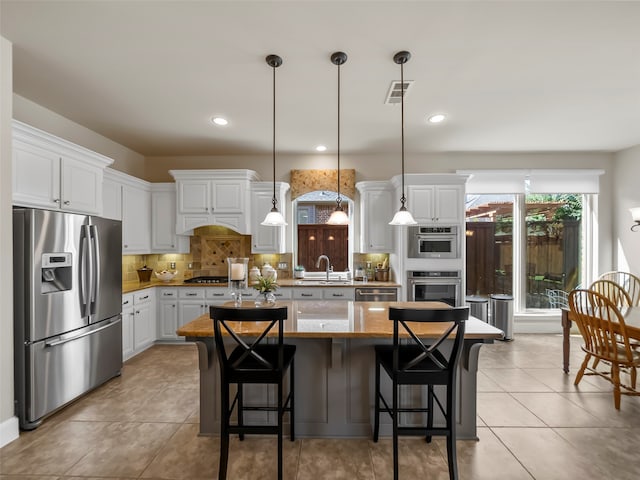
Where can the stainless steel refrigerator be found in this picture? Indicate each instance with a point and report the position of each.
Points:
(67, 308)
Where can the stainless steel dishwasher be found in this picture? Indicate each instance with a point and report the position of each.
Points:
(376, 294)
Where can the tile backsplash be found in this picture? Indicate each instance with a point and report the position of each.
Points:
(210, 247)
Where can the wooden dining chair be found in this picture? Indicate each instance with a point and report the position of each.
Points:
(252, 361)
(605, 338)
(416, 363)
(614, 292)
(628, 281)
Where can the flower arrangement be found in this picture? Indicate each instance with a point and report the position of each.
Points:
(265, 284)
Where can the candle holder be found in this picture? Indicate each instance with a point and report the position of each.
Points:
(238, 270)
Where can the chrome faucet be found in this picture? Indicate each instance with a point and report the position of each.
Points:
(328, 264)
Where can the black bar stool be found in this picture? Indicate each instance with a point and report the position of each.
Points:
(254, 362)
(415, 363)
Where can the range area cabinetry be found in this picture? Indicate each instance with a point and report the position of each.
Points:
(163, 220)
(376, 211)
(129, 200)
(266, 239)
(52, 173)
(213, 197)
(138, 321)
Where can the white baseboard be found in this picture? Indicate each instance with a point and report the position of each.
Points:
(9, 431)
(537, 324)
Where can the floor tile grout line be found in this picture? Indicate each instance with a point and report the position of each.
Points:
(510, 451)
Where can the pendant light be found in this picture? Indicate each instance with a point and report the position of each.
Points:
(402, 216)
(338, 217)
(274, 218)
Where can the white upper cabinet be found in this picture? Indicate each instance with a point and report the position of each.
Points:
(376, 211)
(163, 220)
(213, 197)
(436, 203)
(52, 173)
(266, 239)
(135, 210)
(434, 198)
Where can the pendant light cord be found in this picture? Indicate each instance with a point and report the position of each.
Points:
(339, 199)
(403, 199)
(273, 199)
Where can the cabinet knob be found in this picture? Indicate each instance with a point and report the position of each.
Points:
(56, 200)
(67, 202)
(173, 246)
(137, 311)
(125, 246)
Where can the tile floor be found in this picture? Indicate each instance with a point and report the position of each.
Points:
(533, 424)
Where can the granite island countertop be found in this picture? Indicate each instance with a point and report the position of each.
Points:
(348, 319)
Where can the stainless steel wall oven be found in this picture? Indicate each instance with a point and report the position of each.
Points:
(435, 286)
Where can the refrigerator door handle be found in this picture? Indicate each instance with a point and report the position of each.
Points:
(95, 268)
(55, 343)
(83, 264)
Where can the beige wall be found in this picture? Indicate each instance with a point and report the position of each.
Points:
(8, 422)
(31, 113)
(627, 195)
(375, 167)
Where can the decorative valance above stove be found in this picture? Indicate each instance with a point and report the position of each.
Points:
(305, 181)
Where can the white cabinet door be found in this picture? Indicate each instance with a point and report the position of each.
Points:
(266, 239)
(449, 204)
(51, 173)
(375, 213)
(143, 327)
(163, 221)
(36, 176)
(194, 196)
(136, 220)
(227, 196)
(436, 203)
(111, 199)
(127, 326)
(420, 200)
(190, 310)
(81, 186)
(167, 313)
(167, 319)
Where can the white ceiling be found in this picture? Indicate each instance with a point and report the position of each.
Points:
(511, 75)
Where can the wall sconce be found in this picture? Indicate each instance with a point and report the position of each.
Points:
(635, 214)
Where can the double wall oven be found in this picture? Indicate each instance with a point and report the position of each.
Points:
(435, 286)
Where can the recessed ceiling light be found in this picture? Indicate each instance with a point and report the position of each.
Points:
(436, 118)
(321, 148)
(219, 120)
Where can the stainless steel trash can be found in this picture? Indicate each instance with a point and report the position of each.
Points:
(502, 314)
(478, 307)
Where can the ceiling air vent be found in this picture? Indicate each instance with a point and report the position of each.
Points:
(395, 91)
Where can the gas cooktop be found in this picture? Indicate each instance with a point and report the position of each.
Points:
(206, 280)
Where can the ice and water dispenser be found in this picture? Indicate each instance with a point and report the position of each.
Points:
(56, 272)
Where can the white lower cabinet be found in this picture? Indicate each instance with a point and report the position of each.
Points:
(144, 326)
(127, 325)
(191, 305)
(167, 313)
(138, 322)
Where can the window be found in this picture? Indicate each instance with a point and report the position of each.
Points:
(314, 237)
(525, 239)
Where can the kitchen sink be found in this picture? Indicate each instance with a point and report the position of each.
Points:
(324, 282)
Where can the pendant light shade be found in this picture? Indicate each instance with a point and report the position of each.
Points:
(402, 216)
(338, 217)
(274, 218)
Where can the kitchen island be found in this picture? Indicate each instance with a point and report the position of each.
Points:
(335, 365)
